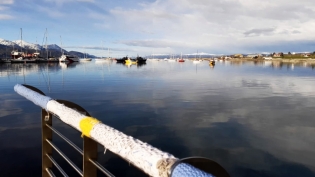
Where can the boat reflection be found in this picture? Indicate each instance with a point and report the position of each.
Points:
(129, 65)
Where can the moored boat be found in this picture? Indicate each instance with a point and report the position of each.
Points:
(23, 60)
(85, 59)
(68, 58)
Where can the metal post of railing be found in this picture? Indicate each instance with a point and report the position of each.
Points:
(89, 145)
(89, 152)
(46, 148)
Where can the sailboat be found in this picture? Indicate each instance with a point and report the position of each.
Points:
(171, 59)
(196, 61)
(48, 57)
(104, 59)
(85, 57)
(21, 57)
(181, 58)
(67, 58)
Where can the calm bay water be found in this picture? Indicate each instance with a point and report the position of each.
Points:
(254, 118)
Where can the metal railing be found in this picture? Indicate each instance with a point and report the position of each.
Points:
(89, 152)
(192, 166)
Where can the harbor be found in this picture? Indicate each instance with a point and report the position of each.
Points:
(159, 88)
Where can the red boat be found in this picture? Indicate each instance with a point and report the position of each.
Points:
(181, 60)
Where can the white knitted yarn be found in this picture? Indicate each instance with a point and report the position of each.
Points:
(66, 114)
(140, 154)
(35, 97)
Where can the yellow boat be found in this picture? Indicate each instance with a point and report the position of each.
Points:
(128, 62)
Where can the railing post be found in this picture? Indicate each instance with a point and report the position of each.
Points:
(89, 152)
(46, 148)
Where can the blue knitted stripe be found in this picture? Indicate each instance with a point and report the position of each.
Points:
(183, 169)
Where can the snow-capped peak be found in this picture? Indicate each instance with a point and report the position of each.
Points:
(28, 45)
(8, 43)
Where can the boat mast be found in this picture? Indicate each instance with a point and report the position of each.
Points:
(102, 48)
(36, 44)
(46, 45)
(61, 45)
(21, 41)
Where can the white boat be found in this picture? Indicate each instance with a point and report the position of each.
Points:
(85, 59)
(109, 58)
(23, 60)
(103, 59)
(196, 61)
(68, 58)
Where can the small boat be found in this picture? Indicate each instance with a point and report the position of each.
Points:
(212, 62)
(103, 59)
(171, 60)
(181, 58)
(196, 61)
(68, 58)
(129, 61)
(85, 59)
(141, 60)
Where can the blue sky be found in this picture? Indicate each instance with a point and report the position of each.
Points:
(131, 27)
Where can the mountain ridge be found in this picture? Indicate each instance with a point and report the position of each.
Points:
(6, 46)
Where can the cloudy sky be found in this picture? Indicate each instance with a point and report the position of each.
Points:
(163, 26)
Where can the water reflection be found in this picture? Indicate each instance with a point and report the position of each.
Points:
(129, 65)
(254, 118)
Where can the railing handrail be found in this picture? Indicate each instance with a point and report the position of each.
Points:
(149, 159)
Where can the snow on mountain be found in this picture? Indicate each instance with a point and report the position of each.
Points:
(28, 45)
(8, 43)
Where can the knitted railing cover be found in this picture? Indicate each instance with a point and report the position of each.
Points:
(151, 160)
(184, 169)
(35, 97)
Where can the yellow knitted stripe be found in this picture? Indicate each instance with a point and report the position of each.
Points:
(87, 124)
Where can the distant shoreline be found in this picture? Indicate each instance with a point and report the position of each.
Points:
(285, 60)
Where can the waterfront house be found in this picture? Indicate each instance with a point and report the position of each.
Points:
(277, 54)
(252, 56)
(238, 56)
(306, 54)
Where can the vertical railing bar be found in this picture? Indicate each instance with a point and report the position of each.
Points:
(50, 173)
(66, 139)
(101, 168)
(89, 152)
(65, 157)
(46, 148)
(57, 166)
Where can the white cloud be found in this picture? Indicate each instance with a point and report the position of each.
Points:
(216, 24)
(6, 2)
(5, 17)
